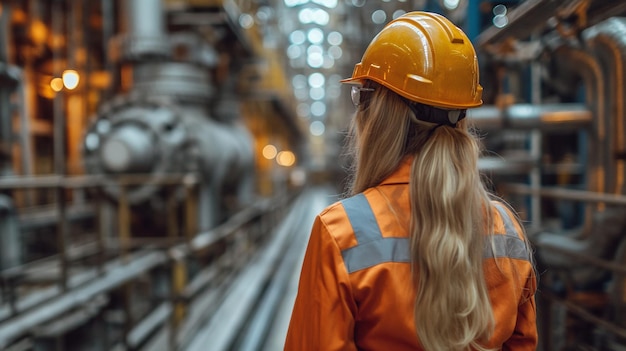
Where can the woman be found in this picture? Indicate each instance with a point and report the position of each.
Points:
(420, 257)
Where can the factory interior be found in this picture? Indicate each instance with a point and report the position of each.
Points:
(162, 161)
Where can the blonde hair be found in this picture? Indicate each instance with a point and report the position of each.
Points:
(450, 215)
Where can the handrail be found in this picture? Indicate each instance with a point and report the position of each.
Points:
(565, 194)
(94, 180)
(36, 314)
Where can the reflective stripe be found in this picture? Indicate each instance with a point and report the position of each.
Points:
(374, 252)
(505, 246)
(362, 219)
(508, 245)
(372, 249)
(508, 225)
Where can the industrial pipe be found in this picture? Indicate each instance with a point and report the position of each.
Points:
(576, 63)
(145, 38)
(11, 248)
(9, 79)
(607, 40)
(530, 116)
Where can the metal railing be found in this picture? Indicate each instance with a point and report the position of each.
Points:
(190, 262)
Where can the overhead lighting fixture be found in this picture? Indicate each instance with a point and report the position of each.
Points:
(292, 3)
(499, 10)
(317, 93)
(331, 4)
(451, 4)
(379, 17)
(500, 21)
(56, 84)
(316, 80)
(269, 151)
(318, 108)
(286, 158)
(299, 81)
(246, 21)
(315, 36)
(334, 38)
(313, 15)
(70, 79)
(335, 52)
(297, 37)
(398, 13)
(294, 51)
(317, 128)
(315, 56)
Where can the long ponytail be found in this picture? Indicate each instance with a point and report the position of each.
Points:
(449, 206)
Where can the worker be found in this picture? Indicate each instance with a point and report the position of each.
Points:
(420, 256)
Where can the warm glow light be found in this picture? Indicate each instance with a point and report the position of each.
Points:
(38, 32)
(286, 158)
(269, 152)
(70, 79)
(56, 84)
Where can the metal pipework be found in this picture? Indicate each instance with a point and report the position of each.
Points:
(5, 15)
(9, 79)
(150, 136)
(11, 243)
(529, 116)
(574, 63)
(163, 125)
(607, 40)
(146, 37)
(179, 81)
(134, 135)
(534, 16)
(523, 20)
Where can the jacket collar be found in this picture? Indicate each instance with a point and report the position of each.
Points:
(402, 174)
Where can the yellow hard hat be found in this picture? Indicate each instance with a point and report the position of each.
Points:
(423, 57)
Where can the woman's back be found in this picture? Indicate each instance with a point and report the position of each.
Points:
(361, 259)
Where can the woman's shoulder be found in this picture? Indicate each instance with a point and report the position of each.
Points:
(338, 208)
(337, 219)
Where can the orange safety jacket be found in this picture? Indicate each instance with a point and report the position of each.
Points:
(355, 290)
